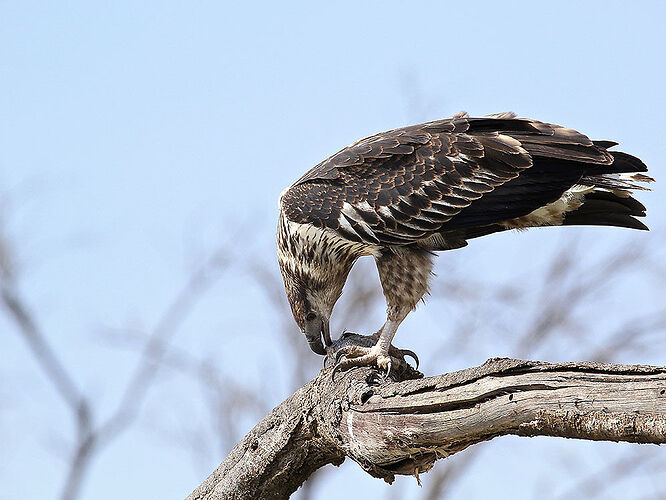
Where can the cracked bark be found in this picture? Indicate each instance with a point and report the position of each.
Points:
(404, 427)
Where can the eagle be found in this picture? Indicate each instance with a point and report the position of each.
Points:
(404, 194)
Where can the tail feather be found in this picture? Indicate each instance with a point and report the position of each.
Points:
(605, 144)
(622, 182)
(624, 173)
(604, 201)
(624, 163)
(603, 208)
(579, 218)
(611, 203)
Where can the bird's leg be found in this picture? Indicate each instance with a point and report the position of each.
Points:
(394, 351)
(377, 354)
(404, 274)
(374, 350)
(352, 345)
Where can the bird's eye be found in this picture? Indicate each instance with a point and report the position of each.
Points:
(311, 316)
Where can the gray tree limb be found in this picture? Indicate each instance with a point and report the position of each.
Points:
(404, 427)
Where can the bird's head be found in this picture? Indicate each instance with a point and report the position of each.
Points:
(314, 268)
(311, 306)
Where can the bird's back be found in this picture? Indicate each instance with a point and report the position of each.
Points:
(440, 183)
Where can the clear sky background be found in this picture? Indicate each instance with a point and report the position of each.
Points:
(137, 137)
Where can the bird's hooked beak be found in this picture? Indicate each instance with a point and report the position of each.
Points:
(317, 327)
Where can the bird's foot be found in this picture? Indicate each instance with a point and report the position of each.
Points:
(353, 350)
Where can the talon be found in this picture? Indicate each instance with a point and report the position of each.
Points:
(335, 369)
(411, 354)
(353, 350)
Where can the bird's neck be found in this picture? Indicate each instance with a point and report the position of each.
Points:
(315, 256)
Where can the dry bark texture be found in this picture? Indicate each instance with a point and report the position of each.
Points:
(404, 427)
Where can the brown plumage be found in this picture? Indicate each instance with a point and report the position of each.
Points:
(400, 195)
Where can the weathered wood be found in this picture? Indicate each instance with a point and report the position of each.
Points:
(404, 427)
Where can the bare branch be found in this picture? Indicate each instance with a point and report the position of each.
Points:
(155, 348)
(403, 428)
(40, 348)
(90, 434)
(454, 470)
(596, 485)
(60, 378)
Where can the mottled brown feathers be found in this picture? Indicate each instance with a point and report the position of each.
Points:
(404, 185)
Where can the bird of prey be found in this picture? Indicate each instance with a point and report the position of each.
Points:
(404, 194)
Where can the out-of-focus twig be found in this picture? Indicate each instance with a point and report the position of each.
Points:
(155, 347)
(91, 432)
(451, 472)
(596, 484)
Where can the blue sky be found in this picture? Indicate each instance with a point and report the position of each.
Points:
(137, 137)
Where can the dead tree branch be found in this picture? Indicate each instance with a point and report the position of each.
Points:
(404, 427)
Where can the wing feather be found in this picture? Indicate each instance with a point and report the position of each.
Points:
(407, 184)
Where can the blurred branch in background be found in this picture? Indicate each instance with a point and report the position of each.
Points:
(597, 484)
(227, 401)
(94, 432)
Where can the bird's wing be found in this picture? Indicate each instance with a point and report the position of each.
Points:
(404, 185)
